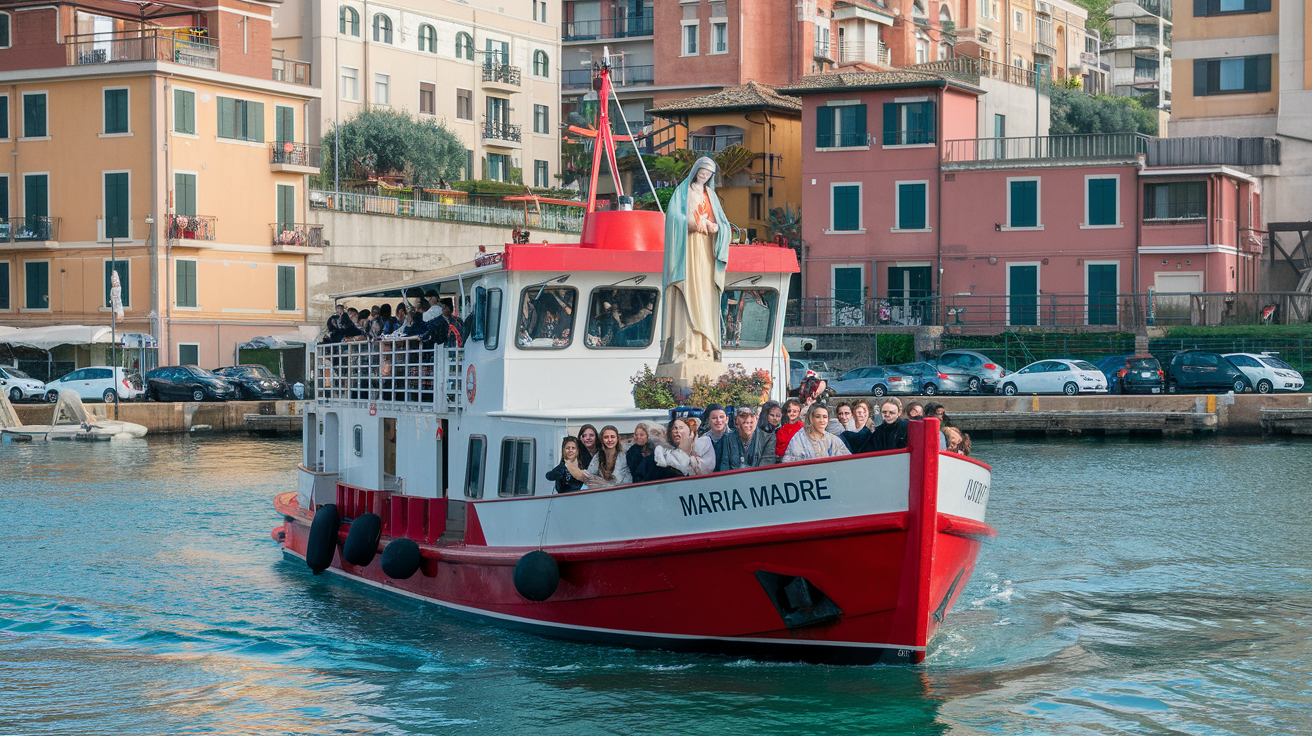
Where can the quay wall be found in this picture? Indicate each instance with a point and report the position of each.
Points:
(169, 417)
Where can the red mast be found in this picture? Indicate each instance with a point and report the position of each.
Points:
(606, 138)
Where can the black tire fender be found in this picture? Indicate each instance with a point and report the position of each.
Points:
(321, 544)
(537, 576)
(362, 540)
(401, 558)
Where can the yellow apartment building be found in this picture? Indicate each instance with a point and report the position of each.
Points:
(160, 146)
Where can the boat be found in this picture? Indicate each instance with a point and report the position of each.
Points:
(422, 473)
(70, 422)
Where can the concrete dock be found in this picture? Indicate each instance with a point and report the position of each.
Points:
(173, 417)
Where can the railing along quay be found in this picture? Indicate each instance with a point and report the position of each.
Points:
(369, 204)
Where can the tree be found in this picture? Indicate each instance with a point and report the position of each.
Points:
(1076, 112)
(390, 142)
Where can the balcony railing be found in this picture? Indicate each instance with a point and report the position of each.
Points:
(497, 130)
(1035, 150)
(588, 30)
(637, 75)
(822, 50)
(1089, 58)
(295, 154)
(192, 227)
(854, 51)
(29, 229)
(972, 69)
(152, 44)
(1131, 41)
(303, 234)
(501, 74)
(556, 219)
(1136, 77)
(293, 71)
(1216, 150)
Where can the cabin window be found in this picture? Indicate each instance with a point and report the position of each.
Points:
(474, 466)
(516, 467)
(748, 321)
(621, 318)
(546, 317)
(358, 440)
(492, 330)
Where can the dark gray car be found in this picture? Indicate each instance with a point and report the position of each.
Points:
(985, 375)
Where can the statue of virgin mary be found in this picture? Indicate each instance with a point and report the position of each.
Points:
(696, 255)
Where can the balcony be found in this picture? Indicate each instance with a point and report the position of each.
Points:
(850, 52)
(199, 228)
(497, 133)
(599, 30)
(503, 77)
(1049, 150)
(1140, 78)
(297, 237)
(1129, 42)
(638, 75)
(822, 51)
(971, 69)
(292, 71)
(180, 46)
(295, 158)
(30, 231)
(1089, 58)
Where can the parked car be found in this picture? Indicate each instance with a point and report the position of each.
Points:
(98, 383)
(797, 368)
(987, 375)
(187, 383)
(1194, 370)
(255, 382)
(931, 381)
(1068, 377)
(1133, 374)
(1266, 372)
(19, 385)
(872, 380)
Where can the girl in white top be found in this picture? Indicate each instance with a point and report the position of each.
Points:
(813, 441)
(689, 456)
(609, 467)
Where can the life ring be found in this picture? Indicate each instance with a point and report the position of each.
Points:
(321, 544)
(401, 558)
(362, 540)
(537, 576)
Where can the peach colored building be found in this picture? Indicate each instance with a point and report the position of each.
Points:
(163, 138)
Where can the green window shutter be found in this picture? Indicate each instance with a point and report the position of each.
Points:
(1200, 77)
(227, 117)
(4, 198)
(860, 129)
(1200, 8)
(116, 111)
(38, 285)
(184, 111)
(1261, 66)
(186, 291)
(929, 123)
(255, 121)
(4, 286)
(184, 194)
(286, 206)
(1102, 201)
(34, 116)
(4, 116)
(891, 138)
(911, 207)
(117, 214)
(285, 124)
(824, 126)
(1024, 204)
(847, 208)
(286, 288)
(36, 195)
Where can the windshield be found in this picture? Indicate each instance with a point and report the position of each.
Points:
(747, 319)
(203, 373)
(621, 318)
(546, 317)
(245, 371)
(1085, 365)
(16, 373)
(1277, 363)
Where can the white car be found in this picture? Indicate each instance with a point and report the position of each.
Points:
(97, 384)
(1070, 377)
(19, 385)
(1267, 372)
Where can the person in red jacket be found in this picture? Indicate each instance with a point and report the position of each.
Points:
(792, 423)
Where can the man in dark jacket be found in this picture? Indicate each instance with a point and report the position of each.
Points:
(891, 433)
(743, 446)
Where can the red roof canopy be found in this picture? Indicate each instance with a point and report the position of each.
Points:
(570, 258)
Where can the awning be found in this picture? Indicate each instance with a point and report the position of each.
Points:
(304, 335)
(419, 283)
(45, 338)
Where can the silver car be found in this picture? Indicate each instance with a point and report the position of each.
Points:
(872, 380)
(930, 380)
(986, 376)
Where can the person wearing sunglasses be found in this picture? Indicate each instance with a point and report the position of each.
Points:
(891, 432)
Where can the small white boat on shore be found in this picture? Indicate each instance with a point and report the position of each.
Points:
(76, 424)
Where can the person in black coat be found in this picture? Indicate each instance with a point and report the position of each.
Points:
(891, 433)
(567, 475)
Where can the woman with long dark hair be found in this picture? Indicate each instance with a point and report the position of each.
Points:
(567, 474)
(587, 444)
(609, 467)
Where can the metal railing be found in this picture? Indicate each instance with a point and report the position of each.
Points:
(294, 71)
(295, 154)
(1131, 41)
(29, 229)
(368, 204)
(1136, 77)
(401, 372)
(497, 130)
(1034, 150)
(1214, 150)
(583, 30)
(303, 234)
(972, 69)
(822, 50)
(638, 75)
(192, 227)
(1168, 212)
(501, 74)
(151, 44)
(854, 51)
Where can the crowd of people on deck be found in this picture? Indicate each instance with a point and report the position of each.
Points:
(431, 319)
(779, 433)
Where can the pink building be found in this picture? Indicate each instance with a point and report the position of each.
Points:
(905, 207)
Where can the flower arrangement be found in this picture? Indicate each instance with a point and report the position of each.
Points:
(736, 387)
(653, 392)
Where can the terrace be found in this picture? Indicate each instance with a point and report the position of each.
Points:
(180, 46)
(1041, 151)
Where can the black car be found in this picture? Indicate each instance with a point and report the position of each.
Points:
(187, 383)
(1133, 374)
(1193, 370)
(255, 382)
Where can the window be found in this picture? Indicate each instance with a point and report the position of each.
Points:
(381, 84)
(541, 64)
(516, 467)
(622, 317)
(1221, 7)
(719, 38)
(464, 104)
(350, 84)
(1100, 208)
(689, 38)
(5, 40)
(1181, 200)
(541, 119)
(756, 207)
(541, 175)
(37, 291)
(498, 167)
(922, 51)
(487, 317)
(909, 123)
(241, 120)
(1022, 203)
(34, 115)
(912, 205)
(464, 46)
(540, 10)
(117, 205)
(348, 22)
(4, 285)
(116, 111)
(1018, 21)
(474, 465)
(184, 194)
(546, 317)
(839, 126)
(189, 354)
(4, 117)
(469, 164)
(286, 205)
(427, 98)
(286, 288)
(124, 272)
(845, 213)
(184, 111)
(999, 126)
(284, 124)
(427, 39)
(36, 197)
(1232, 75)
(186, 278)
(747, 320)
(382, 28)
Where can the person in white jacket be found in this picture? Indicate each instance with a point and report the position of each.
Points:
(688, 456)
(813, 441)
(609, 467)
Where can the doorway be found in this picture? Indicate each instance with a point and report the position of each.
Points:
(1023, 294)
(908, 293)
(1100, 285)
(848, 295)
